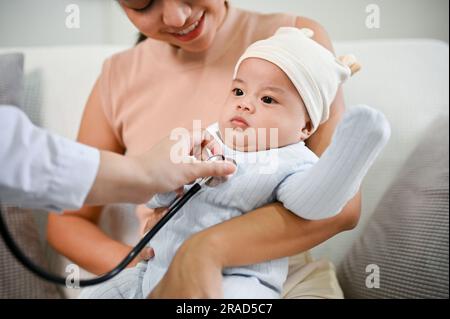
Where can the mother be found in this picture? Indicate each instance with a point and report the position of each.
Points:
(180, 72)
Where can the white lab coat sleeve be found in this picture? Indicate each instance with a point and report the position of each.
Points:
(42, 170)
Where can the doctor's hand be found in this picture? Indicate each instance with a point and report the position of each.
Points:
(171, 164)
(167, 166)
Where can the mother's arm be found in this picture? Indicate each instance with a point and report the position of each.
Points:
(76, 235)
(267, 233)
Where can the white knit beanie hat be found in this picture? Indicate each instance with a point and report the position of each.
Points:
(315, 72)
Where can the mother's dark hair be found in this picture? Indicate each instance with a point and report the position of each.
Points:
(141, 38)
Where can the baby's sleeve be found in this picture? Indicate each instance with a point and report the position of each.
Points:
(324, 189)
(289, 191)
(313, 191)
(161, 200)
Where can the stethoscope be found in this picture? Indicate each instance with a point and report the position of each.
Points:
(172, 210)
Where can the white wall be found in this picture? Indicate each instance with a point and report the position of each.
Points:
(345, 19)
(42, 22)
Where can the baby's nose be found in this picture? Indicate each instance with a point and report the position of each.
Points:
(247, 107)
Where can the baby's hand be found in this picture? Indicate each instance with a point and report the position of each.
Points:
(147, 253)
(154, 218)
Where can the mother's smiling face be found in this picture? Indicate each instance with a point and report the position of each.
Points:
(189, 24)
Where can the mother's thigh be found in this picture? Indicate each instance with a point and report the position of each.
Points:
(311, 279)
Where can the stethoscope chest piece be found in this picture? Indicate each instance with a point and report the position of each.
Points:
(212, 181)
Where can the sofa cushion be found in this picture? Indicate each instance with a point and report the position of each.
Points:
(15, 280)
(32, 96)
(410, 93)
(406, 241)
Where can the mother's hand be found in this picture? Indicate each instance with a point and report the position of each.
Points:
(195, 272)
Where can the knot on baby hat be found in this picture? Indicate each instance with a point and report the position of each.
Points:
(315, 72)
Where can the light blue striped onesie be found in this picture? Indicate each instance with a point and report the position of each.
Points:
(261, 178)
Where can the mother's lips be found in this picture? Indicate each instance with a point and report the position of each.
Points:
(191, 26)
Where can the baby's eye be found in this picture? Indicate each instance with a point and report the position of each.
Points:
(238, 92)
(268, 100)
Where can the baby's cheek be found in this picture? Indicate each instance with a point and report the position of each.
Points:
(287, 134)
(267, 137)
(225, 114)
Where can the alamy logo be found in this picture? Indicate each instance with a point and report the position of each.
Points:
(373, 279)
(73, 277)
(373, 20)
(73, 16)
(268, 161)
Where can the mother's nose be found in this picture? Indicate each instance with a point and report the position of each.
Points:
(175, 13)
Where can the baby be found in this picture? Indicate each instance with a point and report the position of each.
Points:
(282, 91)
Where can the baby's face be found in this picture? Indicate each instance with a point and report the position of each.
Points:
(262, 98)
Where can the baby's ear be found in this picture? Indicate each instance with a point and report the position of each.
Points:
(351, 62)
(306, 131)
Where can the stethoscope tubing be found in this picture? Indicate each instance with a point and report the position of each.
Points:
(44, 274)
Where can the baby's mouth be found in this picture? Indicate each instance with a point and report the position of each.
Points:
(239, 123)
